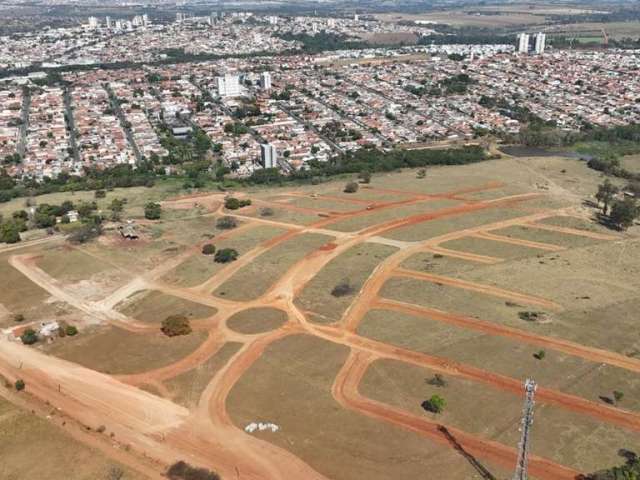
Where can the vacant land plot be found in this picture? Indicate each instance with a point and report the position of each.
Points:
(153, 307)
(31, 447)
(254, 279)
(284, 215)
(631, 162)
(544, 236)
(458, 300)
(187, 387)
(490, 248)
(558, 434)
(189, 231)
(375, 217)
(116, 351)
(350, 270)
(505, 356)
(200, 268)
(438, 264)
(257, 320)
(450, 223)
(319, 431)
(324, 205)
(136, 256)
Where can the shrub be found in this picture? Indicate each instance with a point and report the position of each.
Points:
(435, 404)
(175, 325)
(152, 211)
(18, 317)
(437, 381)
(71, 330)
(29, 337)
(539, 355)
(232, 203)
(365, 176)
(208, 249)
(351, 187)
(20, 385)
(100, 194)
(421, 173)
(266, 212)
(183, 471)
(85, 233)
(226, 223)
(618, 395)
(225, 255)
(343, 289)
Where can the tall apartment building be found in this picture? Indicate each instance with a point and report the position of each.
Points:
(523, 43)
(541, 40)
(228, 86)
(269, 155)
(265, 81)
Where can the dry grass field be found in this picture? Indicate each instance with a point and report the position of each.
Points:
(483, 274)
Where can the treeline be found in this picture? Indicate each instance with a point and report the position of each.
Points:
(374, 161)
(119, 176)
(323, 41)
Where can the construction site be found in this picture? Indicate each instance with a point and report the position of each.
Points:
(489, 290)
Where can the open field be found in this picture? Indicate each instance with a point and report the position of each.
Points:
(486, 274)
(154, 306)
(59, 456)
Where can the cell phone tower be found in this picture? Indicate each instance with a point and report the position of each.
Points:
(527, 420)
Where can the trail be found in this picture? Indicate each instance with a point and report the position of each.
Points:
(518, 241)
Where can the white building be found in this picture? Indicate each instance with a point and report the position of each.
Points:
(108, 20)
(269, 155)
(93, 22)
(541, 40)
(228, 86)
(265, 80)
(523, 43)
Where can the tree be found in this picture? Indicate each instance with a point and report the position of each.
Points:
(232, 203)
(624, 212)
(351, 187)
(225, 255)
(71, 330)
(606, 192)
(342, 289)
(208, 249)
(183, 471)
(175, 325)
(20, 385)
(9, 232)
(365, 176)
(226, 223)
(152, 211)
(29, 337)
(435, 404)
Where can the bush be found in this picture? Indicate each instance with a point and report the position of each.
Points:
(85, 233)
(175, 325)
(226, 223)
(421, 173)
(152, 211)
(225, 255)
(20, 385)
(100, 194)
(539, 355)
(208, 249)
(435, 404)
(71, 330)
(232, 203)
(342, 289)
(18, 317)
(266, 212)
(183, 471)
(437, 381)
(365, 176)
(29, 337)
(351, 187)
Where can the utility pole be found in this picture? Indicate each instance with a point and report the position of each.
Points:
(527, 420)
